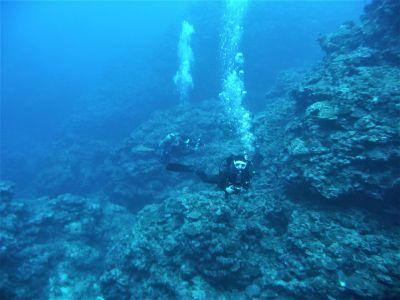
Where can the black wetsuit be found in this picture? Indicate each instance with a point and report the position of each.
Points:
(175, 146)
(229, 175)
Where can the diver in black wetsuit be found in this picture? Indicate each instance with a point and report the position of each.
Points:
(234, 175)
(174, 146)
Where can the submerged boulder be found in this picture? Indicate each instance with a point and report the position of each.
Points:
(184, 248)
(344, 141)
(54, 247)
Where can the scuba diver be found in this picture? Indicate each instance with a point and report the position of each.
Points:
(174, 146)
(234, 176)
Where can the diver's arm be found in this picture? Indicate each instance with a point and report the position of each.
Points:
(207, 178)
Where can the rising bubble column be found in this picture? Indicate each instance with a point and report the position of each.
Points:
(232, 60)
(183, 78)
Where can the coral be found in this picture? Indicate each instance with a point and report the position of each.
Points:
(193, 243)
(53, 248)
(344, 142)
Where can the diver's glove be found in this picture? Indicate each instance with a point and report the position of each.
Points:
(231, 189)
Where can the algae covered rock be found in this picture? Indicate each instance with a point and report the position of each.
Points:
(181, 249)
(322, 110)
(344, 143)
(54, 247)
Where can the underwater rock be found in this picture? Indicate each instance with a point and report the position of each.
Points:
(298, 147)
(244, 256)
(286, 81)
(253, 291)
(381, 23)
(343, 40)
(6, 191)
(344, 143)
(46, 239)
(379, 29)
(73, 165)
(322, 110)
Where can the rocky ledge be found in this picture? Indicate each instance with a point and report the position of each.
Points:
(345, 140)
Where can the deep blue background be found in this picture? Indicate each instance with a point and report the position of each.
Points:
(95, 70)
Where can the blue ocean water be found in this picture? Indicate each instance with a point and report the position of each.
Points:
(102, 61)
(276, 118)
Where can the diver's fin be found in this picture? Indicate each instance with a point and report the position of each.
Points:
(180, 168)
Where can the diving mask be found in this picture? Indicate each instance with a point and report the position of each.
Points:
(240, 164)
